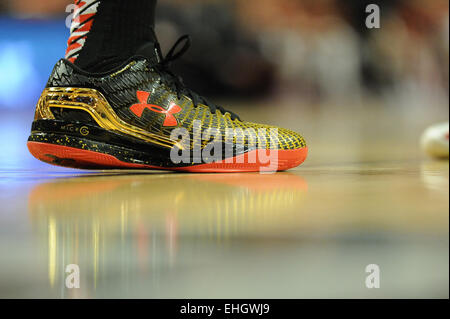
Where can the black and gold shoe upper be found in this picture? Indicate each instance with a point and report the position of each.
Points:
(144, 100)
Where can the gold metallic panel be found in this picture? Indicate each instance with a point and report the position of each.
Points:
(93, 102)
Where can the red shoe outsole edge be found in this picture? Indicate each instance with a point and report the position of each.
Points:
(84, 159)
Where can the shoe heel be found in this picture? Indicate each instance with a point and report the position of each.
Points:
(80, 146)
(68, 156)
(72, 157)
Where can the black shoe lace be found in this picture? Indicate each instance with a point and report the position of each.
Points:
(176, 82)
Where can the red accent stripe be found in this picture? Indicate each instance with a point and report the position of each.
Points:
(84, 26)
(82, 19)
(73, 46)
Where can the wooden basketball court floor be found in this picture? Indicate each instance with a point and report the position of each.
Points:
(366, 195)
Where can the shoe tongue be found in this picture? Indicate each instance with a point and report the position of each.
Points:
(151, 51)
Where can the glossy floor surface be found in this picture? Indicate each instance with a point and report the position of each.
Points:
(366, 195)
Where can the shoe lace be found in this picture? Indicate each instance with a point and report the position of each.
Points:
(176, 82)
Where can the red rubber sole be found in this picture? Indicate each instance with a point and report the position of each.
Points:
(78, 158)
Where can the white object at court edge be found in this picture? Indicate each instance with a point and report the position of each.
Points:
(434, 141)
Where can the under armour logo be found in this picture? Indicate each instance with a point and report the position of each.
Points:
(138, 109)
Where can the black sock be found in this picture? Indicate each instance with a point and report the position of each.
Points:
(105, 33)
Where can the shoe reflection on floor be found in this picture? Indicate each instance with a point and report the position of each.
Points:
(132, 225)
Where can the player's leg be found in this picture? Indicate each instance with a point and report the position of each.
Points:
(106, 33)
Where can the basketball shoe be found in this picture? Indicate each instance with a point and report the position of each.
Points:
(141, 116)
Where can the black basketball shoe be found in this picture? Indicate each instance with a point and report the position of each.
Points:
(142, 116)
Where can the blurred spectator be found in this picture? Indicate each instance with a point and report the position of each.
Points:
(316, 51)
(410, 51)
(224, 59)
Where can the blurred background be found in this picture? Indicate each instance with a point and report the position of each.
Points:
(315, 50)
(361, 97)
